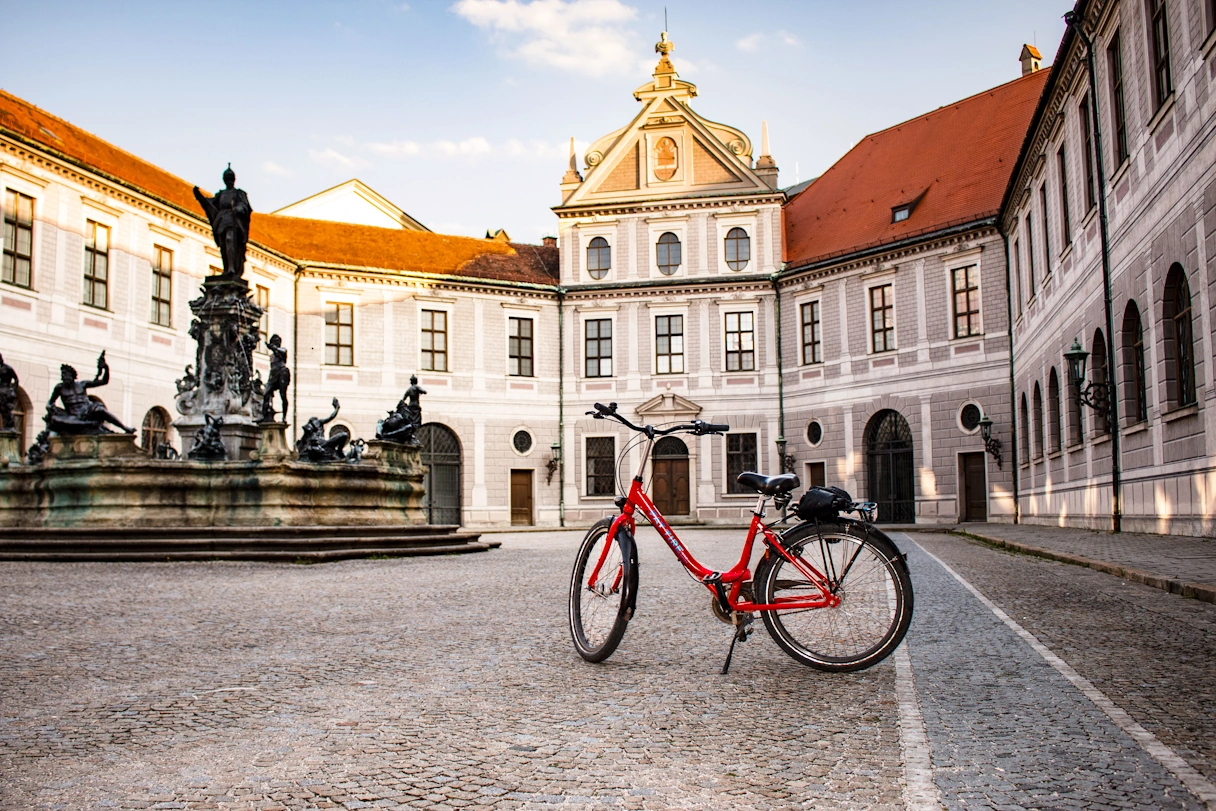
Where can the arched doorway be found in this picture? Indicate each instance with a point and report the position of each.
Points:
(441, 455)
(889, 463)
(155, 430)
(670, 488)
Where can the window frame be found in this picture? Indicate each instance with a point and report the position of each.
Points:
(427, 312)
(590, 477)
(1099, 375)
(745, 240)
(814, 308)
(1065, 218)
(659, 245)
(1034, 287)
(586, 235)
(337, 308)
(733, 488)
(1046, 231)
(1180, 353)
(975, 324)
(1017, 273)
(1161, 74)
(740, 352)
(262, 301)
(670, 354)
(1118, 99)
(1135, 376)
(516, 346)
(1087, 144)
(162, 287)
(599, 358)
(888, 330)
(12, 218)
(91, 282)
(1055, 433)
(607, 246)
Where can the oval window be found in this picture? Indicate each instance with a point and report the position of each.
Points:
(738, 249)
(814, 432)
(969, 417)
(522, 441)
(668, 255)
(599, 258)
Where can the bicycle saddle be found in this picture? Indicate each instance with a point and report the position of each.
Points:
(769, 485)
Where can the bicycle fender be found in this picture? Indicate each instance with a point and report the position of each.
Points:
(630, 553)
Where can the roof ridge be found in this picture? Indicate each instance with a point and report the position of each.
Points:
(963, 100)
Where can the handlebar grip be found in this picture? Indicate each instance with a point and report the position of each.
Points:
(716, 428)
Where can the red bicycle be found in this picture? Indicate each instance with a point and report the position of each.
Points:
(834, 592)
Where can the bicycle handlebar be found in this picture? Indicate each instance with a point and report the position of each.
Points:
(696, 427)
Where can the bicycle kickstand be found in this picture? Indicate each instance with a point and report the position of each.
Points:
(742, 631)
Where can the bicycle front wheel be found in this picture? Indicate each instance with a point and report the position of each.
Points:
(869, 576)
(602, 591)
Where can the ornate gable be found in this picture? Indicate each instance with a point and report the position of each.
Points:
(668, 407)
(667, 151)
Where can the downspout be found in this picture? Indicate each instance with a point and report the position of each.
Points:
(561, 410)
(1013, 393)
(780, 378)
(1112, 389)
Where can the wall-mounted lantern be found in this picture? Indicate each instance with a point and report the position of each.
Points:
(555, 459)
(991, 444)
(1094, 395)
(788, 463)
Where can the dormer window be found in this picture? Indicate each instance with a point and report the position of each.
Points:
(901, 213)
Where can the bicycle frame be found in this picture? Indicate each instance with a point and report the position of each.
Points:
(732, 581)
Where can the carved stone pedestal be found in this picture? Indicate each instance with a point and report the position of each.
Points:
(10, 449)
(93, 446)
(392, 454)
(273, 447)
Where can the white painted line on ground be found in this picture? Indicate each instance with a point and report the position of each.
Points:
(920, 790)
(1195, 782)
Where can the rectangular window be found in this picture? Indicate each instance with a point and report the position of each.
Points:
(1114, 59)
(162, 286)
(1209, 8)
(1046, 232)
(262, 299)
(96, 264)
(669, 344)
(1034, 287)
(18, 238)
(1087, 136)
(601, 465)
(966, 285)
(1017, 272)
(812, 334)
(340, 334)
(1065, 223)
(598, 346)
(882, 318)
(519, 347)
(740, 457)
(1159, 52)
(434, 340)
(740, 342)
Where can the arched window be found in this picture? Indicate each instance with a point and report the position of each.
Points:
(599, 258)
(668, 255)
(338, 428)
(1076, 424)
(155, 430)
(1136, 394)
(1179, 340)
(1054, 438)
(1024, 429)
(1098, 372)
(738, 249)
(21, 416)
(1038, 421)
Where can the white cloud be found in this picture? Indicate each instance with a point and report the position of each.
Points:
(335, 158)
(272, 168)
(749, 43)
(469, 147)
(397, 149)
(583, 36)
(788, 38)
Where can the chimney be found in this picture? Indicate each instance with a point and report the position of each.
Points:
(549, 242)
(1031, 59)
(766, 167)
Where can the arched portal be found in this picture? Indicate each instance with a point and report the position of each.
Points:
(889, 463)
(441, 455)
(670, 489)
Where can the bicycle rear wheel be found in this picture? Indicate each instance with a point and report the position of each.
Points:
(869, 576)
(600, 611)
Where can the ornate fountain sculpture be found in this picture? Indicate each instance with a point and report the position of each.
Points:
(225, 327)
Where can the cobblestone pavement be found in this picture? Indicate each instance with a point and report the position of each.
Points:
(451, 683)
(1180, 557)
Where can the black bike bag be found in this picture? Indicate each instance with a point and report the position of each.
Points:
(823, 503)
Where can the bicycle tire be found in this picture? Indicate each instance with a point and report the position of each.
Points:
(598, 616)
(870, 577)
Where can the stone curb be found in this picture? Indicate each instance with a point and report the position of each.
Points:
(1198, 591)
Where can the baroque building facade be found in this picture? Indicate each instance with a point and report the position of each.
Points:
(1110, 226)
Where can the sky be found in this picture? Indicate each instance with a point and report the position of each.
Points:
(461, 111)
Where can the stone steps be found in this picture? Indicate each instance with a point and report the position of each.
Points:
(277, 544)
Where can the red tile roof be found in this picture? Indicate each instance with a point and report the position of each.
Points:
(302, 239)
(957, 160)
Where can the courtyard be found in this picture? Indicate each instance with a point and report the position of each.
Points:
(450, 682)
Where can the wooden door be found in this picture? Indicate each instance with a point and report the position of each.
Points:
(975, 486)
(670, 489)
(816, 474)
(521, 497)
